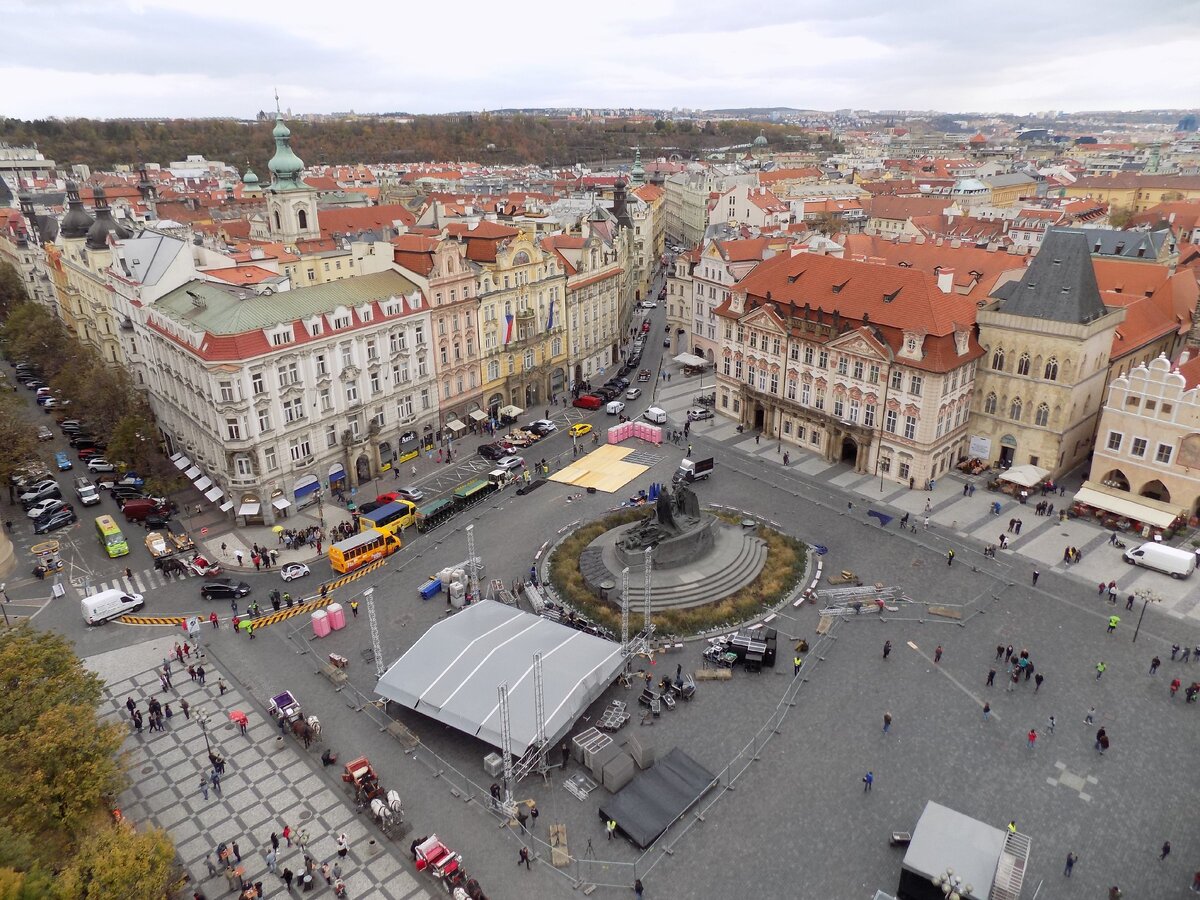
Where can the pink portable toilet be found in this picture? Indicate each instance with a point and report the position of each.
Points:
(320, 623)
(337, 616)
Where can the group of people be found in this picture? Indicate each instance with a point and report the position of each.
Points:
(159, 714)
(296, 538)
(1044, 508)
(1071, 555)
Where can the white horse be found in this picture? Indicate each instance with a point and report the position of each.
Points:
(388, 813)
(314, 725)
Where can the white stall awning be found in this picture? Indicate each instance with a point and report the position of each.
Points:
(281, 503)
(456, 426)
(227, 506)
(213, 494)
(478, 415)
(249, 509)
(181, 461)
(204, 483)
(192, 474)
(511, 411)
(691, 359)
(1026, 476)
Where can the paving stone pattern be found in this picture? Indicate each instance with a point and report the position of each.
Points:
(267, 783)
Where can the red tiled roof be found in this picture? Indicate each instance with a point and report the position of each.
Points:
(242, 275)
(365, 218)
(1190, 371)
(930, 258)
(900, 298)
(903, 208)
(744, 250)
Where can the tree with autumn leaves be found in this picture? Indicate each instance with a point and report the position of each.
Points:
(61, 769)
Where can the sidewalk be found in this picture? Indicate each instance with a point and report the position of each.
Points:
(267, 783)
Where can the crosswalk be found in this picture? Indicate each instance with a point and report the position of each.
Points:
(141, 582)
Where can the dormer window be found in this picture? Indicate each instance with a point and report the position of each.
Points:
(340, 322)
(910, 343)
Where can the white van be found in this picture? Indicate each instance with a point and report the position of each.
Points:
(101, 607)
(1171, 560)
(655, 415)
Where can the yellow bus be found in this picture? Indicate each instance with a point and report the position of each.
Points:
(389, 519)
(110, 536)
(363, 548)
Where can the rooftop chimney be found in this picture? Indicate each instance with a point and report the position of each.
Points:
(945, 279)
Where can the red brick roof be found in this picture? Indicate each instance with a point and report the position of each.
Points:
(903, 208)
(930, 258)
(365, 218)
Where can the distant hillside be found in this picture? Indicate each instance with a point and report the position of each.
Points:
(495, 139)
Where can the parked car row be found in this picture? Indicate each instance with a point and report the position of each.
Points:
(520, 436)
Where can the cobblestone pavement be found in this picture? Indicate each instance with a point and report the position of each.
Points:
(267, 783)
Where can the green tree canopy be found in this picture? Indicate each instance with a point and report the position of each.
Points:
(116, 861)
(12, 289)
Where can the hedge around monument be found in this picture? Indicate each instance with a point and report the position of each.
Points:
(786, 561)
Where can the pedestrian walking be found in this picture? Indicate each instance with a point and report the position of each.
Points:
(887, 649)
(1129, 602)
(204, 787)
(287, 834)
(1183, 657)
(1154, 664)
(949, 557)
(215, 780)
(1069, 867)
(1037, 682)
(1050, 723)
(523, 857)
(797, 662)
(611, 828)
(354, 608)
(637, 888)
(1101, 739)
(1032, 737)
(868, 780)
(1174, 688)
(221, 686)
(212, 618)
(1090, 718)
(999, 651)
(237, 854)
(239, 556)
(937, 654)
(1101, 668)
(343, 845)
(1113, 622)
(887, 722)
(1166, 851)
(1036, 576)
(1008, 652)
(991, 679)
(1174, 651)
(287, 877)
(271, 857)
(987, 711)
(200, 674)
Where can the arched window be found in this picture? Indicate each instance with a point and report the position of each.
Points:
(1023, 364)
(1043, 415)
(989, 405)
(1015, 410)
(1051, 373)
(278, 222)
(493, 370)
(302, 218)
(998, 359)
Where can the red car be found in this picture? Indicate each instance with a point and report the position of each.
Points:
(589, 401)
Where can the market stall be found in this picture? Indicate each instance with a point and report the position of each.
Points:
(1121, 510)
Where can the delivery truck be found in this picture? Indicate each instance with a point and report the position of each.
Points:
(693, 470)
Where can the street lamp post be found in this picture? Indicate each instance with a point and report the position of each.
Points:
(951, 885)
(1147, 597)
(202, 720)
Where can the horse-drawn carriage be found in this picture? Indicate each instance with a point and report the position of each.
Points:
(368, 793)
(286, 708)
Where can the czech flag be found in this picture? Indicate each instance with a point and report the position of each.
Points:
(508, 319)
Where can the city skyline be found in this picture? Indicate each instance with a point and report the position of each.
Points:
(151, 58)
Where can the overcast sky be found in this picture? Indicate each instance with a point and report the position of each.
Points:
(225, 57)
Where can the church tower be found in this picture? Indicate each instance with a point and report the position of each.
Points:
(291, 204)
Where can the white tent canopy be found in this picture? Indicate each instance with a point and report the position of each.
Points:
(511, 411)
(1025, 476)
(691, 359)
(451, 673)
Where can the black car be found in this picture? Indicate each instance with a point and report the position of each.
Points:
(60, 518)
(492, 451)
(121, 494)
(223, 589)
(370, 506)
(79, 438)
(606, 392)
(156, 520)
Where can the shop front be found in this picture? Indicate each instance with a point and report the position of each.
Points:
(250, 510)
(337, 478)
(281, 506)
(305, 491)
